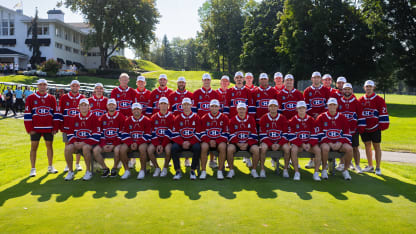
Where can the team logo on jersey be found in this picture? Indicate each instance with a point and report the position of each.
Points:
(160, 132)
(136, 134)
(326, 124)
(124, 104)
(214, 133)
(204, 106)
(290, 105)
(187, 132)
(104, 122)
(35, 102)
(76, 124)
(176, 98)
(98, 112)
(368, 112)
(200, 97)
(82, 133)
(208, 123)
(156, 122)
(111, 132)
(274, 134)
(283, 97)
(157, 96)
(264, 103)
(333, 133)
(67, 103)
(238, 100)
(72, 112)
(193, 123)
(303, 135)
(242, 135)
(118, 95)
(181, 123)
(267, 125)
(258, 95)
(310, 94)
(42, 111)
(349, 115)
(340, 107)
(318, 102)
(297, 126)
(236, 126)
(232, 94)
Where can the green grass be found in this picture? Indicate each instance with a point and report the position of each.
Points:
(148, 66)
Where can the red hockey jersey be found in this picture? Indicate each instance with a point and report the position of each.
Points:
(261, 98)
(84, 129)
(143, 97)
(253, 88)
(274, 130)
(336, 93)
(111, 127)
(374, 112)
(316, 99)
(136, 130)
(175, 101)
(243, 130)
(236, 95)
(186, 128)
(125, 98)
(98, 106)
(278, 90)
(303, 130)
(202, 98)
(156, 94)
(161, 126)
(41, 113)
(68, 107)
(222, 94)
(333, 128)
(214, 128)
(353, 110)
(288, 100)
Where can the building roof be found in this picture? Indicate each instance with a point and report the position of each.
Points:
(9, 51)
(79, 25)
(55, 12)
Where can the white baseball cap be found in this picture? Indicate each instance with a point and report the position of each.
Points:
(332, 101)
(225, 77)
(112, 101)
(369, 82)
(273, 102)
(136, 105)
(164, 100)
(249, 74)
(206, 76)
(327, 76)
(301, 104)
(342, 79)
(316, 74)
(187, 100)
(241, 105)
(140, 78)
(239, 73)
(214, 102)
(84, 100)
(263, 76)
(74, 82)
(163, 76)
(181, 78)
(124, 74)
(278, 74)
(347, 85)
(98, 85)
(289, 76)
(42, 81)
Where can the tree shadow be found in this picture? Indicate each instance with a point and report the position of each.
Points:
(402, 110)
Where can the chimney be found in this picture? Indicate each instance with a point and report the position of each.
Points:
(19, 11)
(56, 14)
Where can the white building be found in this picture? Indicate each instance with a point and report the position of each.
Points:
(59, 40)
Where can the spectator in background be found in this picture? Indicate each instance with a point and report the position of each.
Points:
(18, 93)
(27, 92)
(8, 98)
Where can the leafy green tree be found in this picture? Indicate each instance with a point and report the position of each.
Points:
(34, 45)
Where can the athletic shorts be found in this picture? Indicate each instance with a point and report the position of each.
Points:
(355, 140)
(46, 136)
(238, 148)
(64, 138)
(375, 137)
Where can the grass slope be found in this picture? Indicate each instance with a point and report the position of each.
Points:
(148, 66)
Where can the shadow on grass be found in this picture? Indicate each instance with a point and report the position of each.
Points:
(402, 110)
(380, 188)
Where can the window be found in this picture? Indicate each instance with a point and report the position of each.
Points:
(11, 23)
(58, 45)
(67, 48)
(66, 36)
(58, 32)
(43, 29)
(76, 51)
(75, 38)
(5, 28)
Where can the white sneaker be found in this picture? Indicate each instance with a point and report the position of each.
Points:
(126, 175)
(203, 175)
(273, 162)
(192, 175)
(296, 176)
(368, 169)
(262, 173)
(378, 171)
(285, 173)
(324, 174)
(51, 170)
(340, 167)
(213, 164)
(141, 174)
(311, 164)
(120, 164)
(156, 173)
(230, 174)
(78, 167)
(69, 176)
(220, 175)
(32, 172)
(316, 176)
(177, 176)
(346, 175)
(244, 159)
(358, 169)
(254, 174)
(87, 176)
(132, 163)
(164, 172)
(66, 169)
(187, 163)
(248, 162)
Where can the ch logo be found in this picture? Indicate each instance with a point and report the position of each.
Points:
(42, 111)
(205, 105)
(242, 135)
(160, 132)
(290, 106)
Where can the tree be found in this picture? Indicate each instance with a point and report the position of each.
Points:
(34, 44)
(117, 24)
(166, 59)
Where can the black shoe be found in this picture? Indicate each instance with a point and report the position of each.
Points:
(105, 173)
(114, 173)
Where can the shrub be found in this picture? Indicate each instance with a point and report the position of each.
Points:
(51, 67)
(120, 62)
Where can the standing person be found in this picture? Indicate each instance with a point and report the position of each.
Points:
(222, 91)
(83, 135)
(8, 99)
(185, 136)
(11, 67)
(68, 107)
(41, 119)
(337, 93)
(16, 68)
(175, 98)
(248, 78)
(203, 96)
(18, 93)
(143, 96)
(278, 80)
(27, 93)
(161, 91)
(98, 103)
(327, 82)
(289, 97)
(237, 94)
(262, 95)
(124, 95)
(377, 120)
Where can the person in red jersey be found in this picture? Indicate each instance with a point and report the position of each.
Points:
(143, 96)
(278, 81)
(124, 95)
(204, 95)
(175, 99)
(214, 136)
(243, 136)
(161, 91)
(303, 137)
(111, 125)
(337, 93)
(222, 91)
(262, 95)
(68, 107)
(249, 78)
(98, 103)
(377, 120)
(327, 82)
(185, 136)
(135, 136)
(41, 118)
(161, 125)
(238, 94)
(83, 135)
(289, 97)
(334, 134)
(273, 136)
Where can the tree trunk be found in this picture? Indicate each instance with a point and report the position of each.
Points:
(103, 55)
